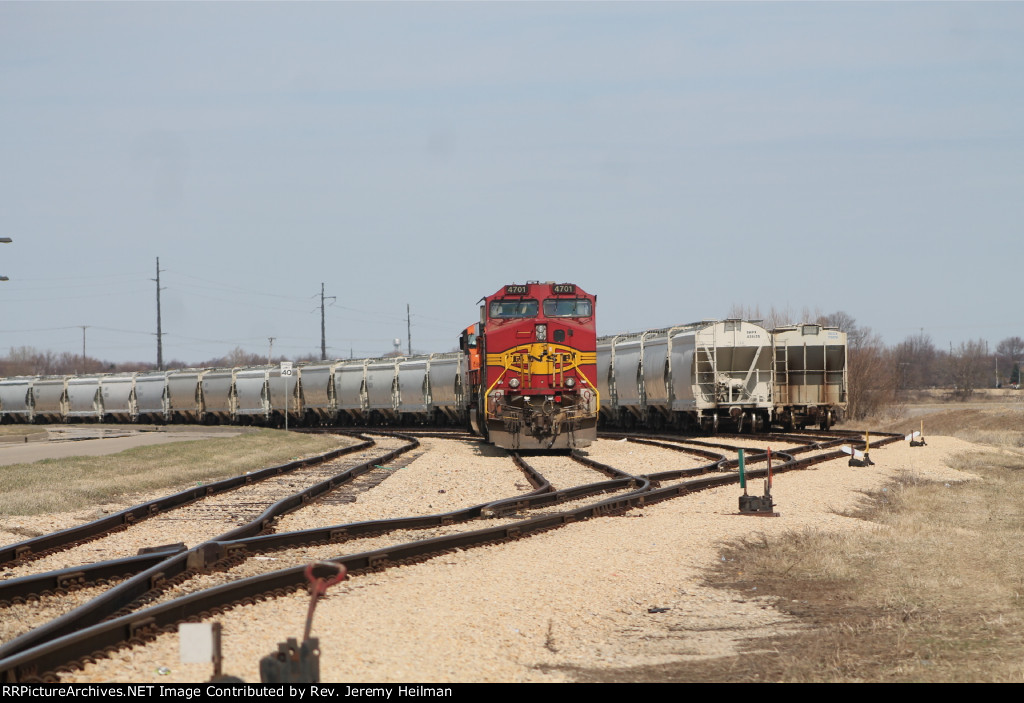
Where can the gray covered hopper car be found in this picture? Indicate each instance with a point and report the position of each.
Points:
(316, 391)
(691, 376)
(185, 395)
(49, 400)
(252, 396)
(151, 396)
(218, 398)
(16, 399)
(117, 397)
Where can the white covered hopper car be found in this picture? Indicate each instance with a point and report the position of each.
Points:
(810, 375)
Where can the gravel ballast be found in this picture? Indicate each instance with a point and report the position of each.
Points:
(578, 596)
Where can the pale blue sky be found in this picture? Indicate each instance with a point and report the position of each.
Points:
(676, 159)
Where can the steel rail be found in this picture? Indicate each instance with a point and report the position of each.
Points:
(48, 651)
(38, 547)
(128, 592)
(42, 660)
(18, 590)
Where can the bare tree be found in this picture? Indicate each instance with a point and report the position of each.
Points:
(770, 320)
(235, 357)
(26, 361)
(915, 362)
(869, 368)
(969, 365)
(1009, 354)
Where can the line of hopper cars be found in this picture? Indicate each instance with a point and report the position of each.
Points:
(531, 375)
(700, 376)
(360, 392)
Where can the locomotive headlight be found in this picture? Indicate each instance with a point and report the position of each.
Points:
(542, 333)
(570, 382)
(513, 382)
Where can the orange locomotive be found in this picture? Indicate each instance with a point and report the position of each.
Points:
(536, 351)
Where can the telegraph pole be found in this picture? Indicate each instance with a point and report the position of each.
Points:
(408, 326)
(270, 354)
(83, 346)
(5, 240)
(159, 331)
(323, 328)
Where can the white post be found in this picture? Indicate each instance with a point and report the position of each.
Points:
(286, 370)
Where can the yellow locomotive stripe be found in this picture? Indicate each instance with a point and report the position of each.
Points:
(540, 358)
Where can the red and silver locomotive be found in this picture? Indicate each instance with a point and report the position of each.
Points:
(536, 349)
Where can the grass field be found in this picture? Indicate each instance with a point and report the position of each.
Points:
(17, 433)
(61, 485)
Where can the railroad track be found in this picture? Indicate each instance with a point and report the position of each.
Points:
(178, 585)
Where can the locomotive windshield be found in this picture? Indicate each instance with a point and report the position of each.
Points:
(514, 308)
(556, 307)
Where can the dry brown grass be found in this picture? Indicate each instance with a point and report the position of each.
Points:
(935, 593)
(17, 433)
(61, 485)
(999, 426)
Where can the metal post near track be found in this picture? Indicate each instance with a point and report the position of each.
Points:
(286, 371)
(756, 505)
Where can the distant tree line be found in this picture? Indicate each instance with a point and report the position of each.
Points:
(28, 361)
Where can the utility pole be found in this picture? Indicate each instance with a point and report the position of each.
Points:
(5, 240)
(270, 354)
(159, 331)
(408, 326)
(323, 328)
(83, 345)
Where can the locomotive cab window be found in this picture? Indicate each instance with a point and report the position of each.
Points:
(514, 308)
(558, 307)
